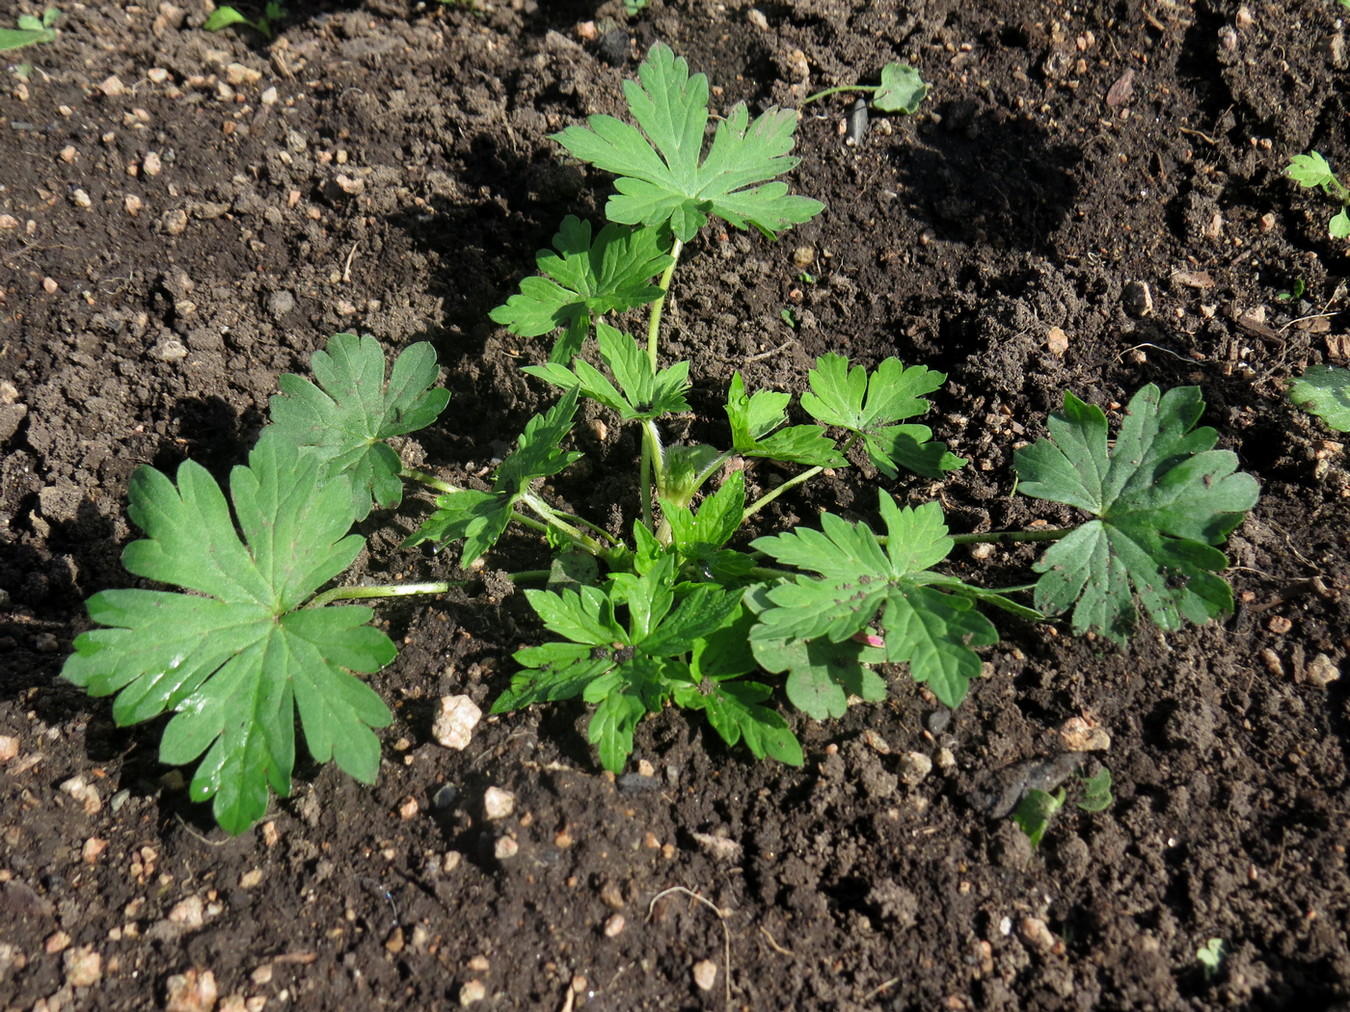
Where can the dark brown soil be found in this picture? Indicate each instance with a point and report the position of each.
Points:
(179, 236)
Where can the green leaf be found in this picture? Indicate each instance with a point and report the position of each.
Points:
(753, 421)
(736, 713)
(1163, 496)
(346, 418)
(642, 392)
(1339, 225)
(661, 178)
(1096, 792)
(870, 404)
(718, 519)
(236, 664)
(223, 17)
(1035, 812)
(929, 628)
(1311, 170)
(1324, 391)
(901, 89)
(31, 30)
(584, 280)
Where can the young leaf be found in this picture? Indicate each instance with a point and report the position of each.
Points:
(930, 629)
(1035, 812)
(482, 517)
(1162, 497)
(1096, 792)
(736, 713)
(753, 421)
(626, 672)
(871, 404)
(31, 30)
(346, 418)
(901, 89)
(700, 536)
(585, 280)
(1324, 391)
(661, 178)
(237, 663)
(1312, 170)
(642, 391)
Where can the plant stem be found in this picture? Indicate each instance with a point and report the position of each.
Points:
(807, 475)
(989, 537)
(654, 320)
(574, 534)
(384, 590)
(429, 480)
(843, 87)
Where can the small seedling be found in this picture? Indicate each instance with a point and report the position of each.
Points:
(788, 317)
(1035, 812)
(31, 30)
(265, 24)
(688, 610)
(1312, 171)
(1294, 292)
(901, 90)
(1324, 390)
(635, 7)
(1097, 795)
(1210, 956)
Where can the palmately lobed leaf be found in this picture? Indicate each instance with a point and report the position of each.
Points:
(1163, 498)
(345, 418)
(661, 178)
(923, 623)
(235, 665)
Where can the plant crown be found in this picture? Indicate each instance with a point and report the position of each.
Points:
(687, 611)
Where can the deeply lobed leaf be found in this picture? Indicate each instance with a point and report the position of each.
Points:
(236, 664)
(661, 178)
(1162, 497)
(345, 418)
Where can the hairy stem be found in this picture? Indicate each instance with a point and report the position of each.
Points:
(654, 319)
(989, 537)
(834, 91)
(430, 480)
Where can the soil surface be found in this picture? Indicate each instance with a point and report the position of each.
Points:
(1092, 198)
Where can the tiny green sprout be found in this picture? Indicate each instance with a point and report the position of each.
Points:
(1312, 171)
(789, 317)
(1211, 955)
(1294, 292)
(806, 278)
(31, 30)
(1324, 390)
(901, 90)
(1097, 795)
(1035, 812)
(264, 24)
(635, 7)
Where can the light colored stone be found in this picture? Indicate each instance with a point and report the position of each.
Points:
(1321, 671)
(1081, 736)
(472, 991)
(705, 974)
(83, 966)
(9, 745)
(454, 725)
(83, 792)
(193, 991)
(497, 803)
(914, 767)
(615, 925)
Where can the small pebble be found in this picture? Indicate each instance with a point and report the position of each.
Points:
(705, 974)
(497, 803)
(83, 966)
(193, 991)
(157, 74)
(133, 204)
(459, 714)
(174, 221)
(506, 847)
(69, 153)
(614, 925)
(1056, 342)
(112, 86)
(1080, 736)
(757, 19)
(9, 747)
(57, 941)
(1321, 671)
(1036, 935)
(444, 797)
(152, 164)
(914, 767)
(1137, 299)
(472, 991)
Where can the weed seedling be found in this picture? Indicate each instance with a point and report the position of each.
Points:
(265, 24)
(901, 90)
(31, 30)
(1210, 956)
(1038, 808)
(1312, 171)
(1324, 390)
(678, 603)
